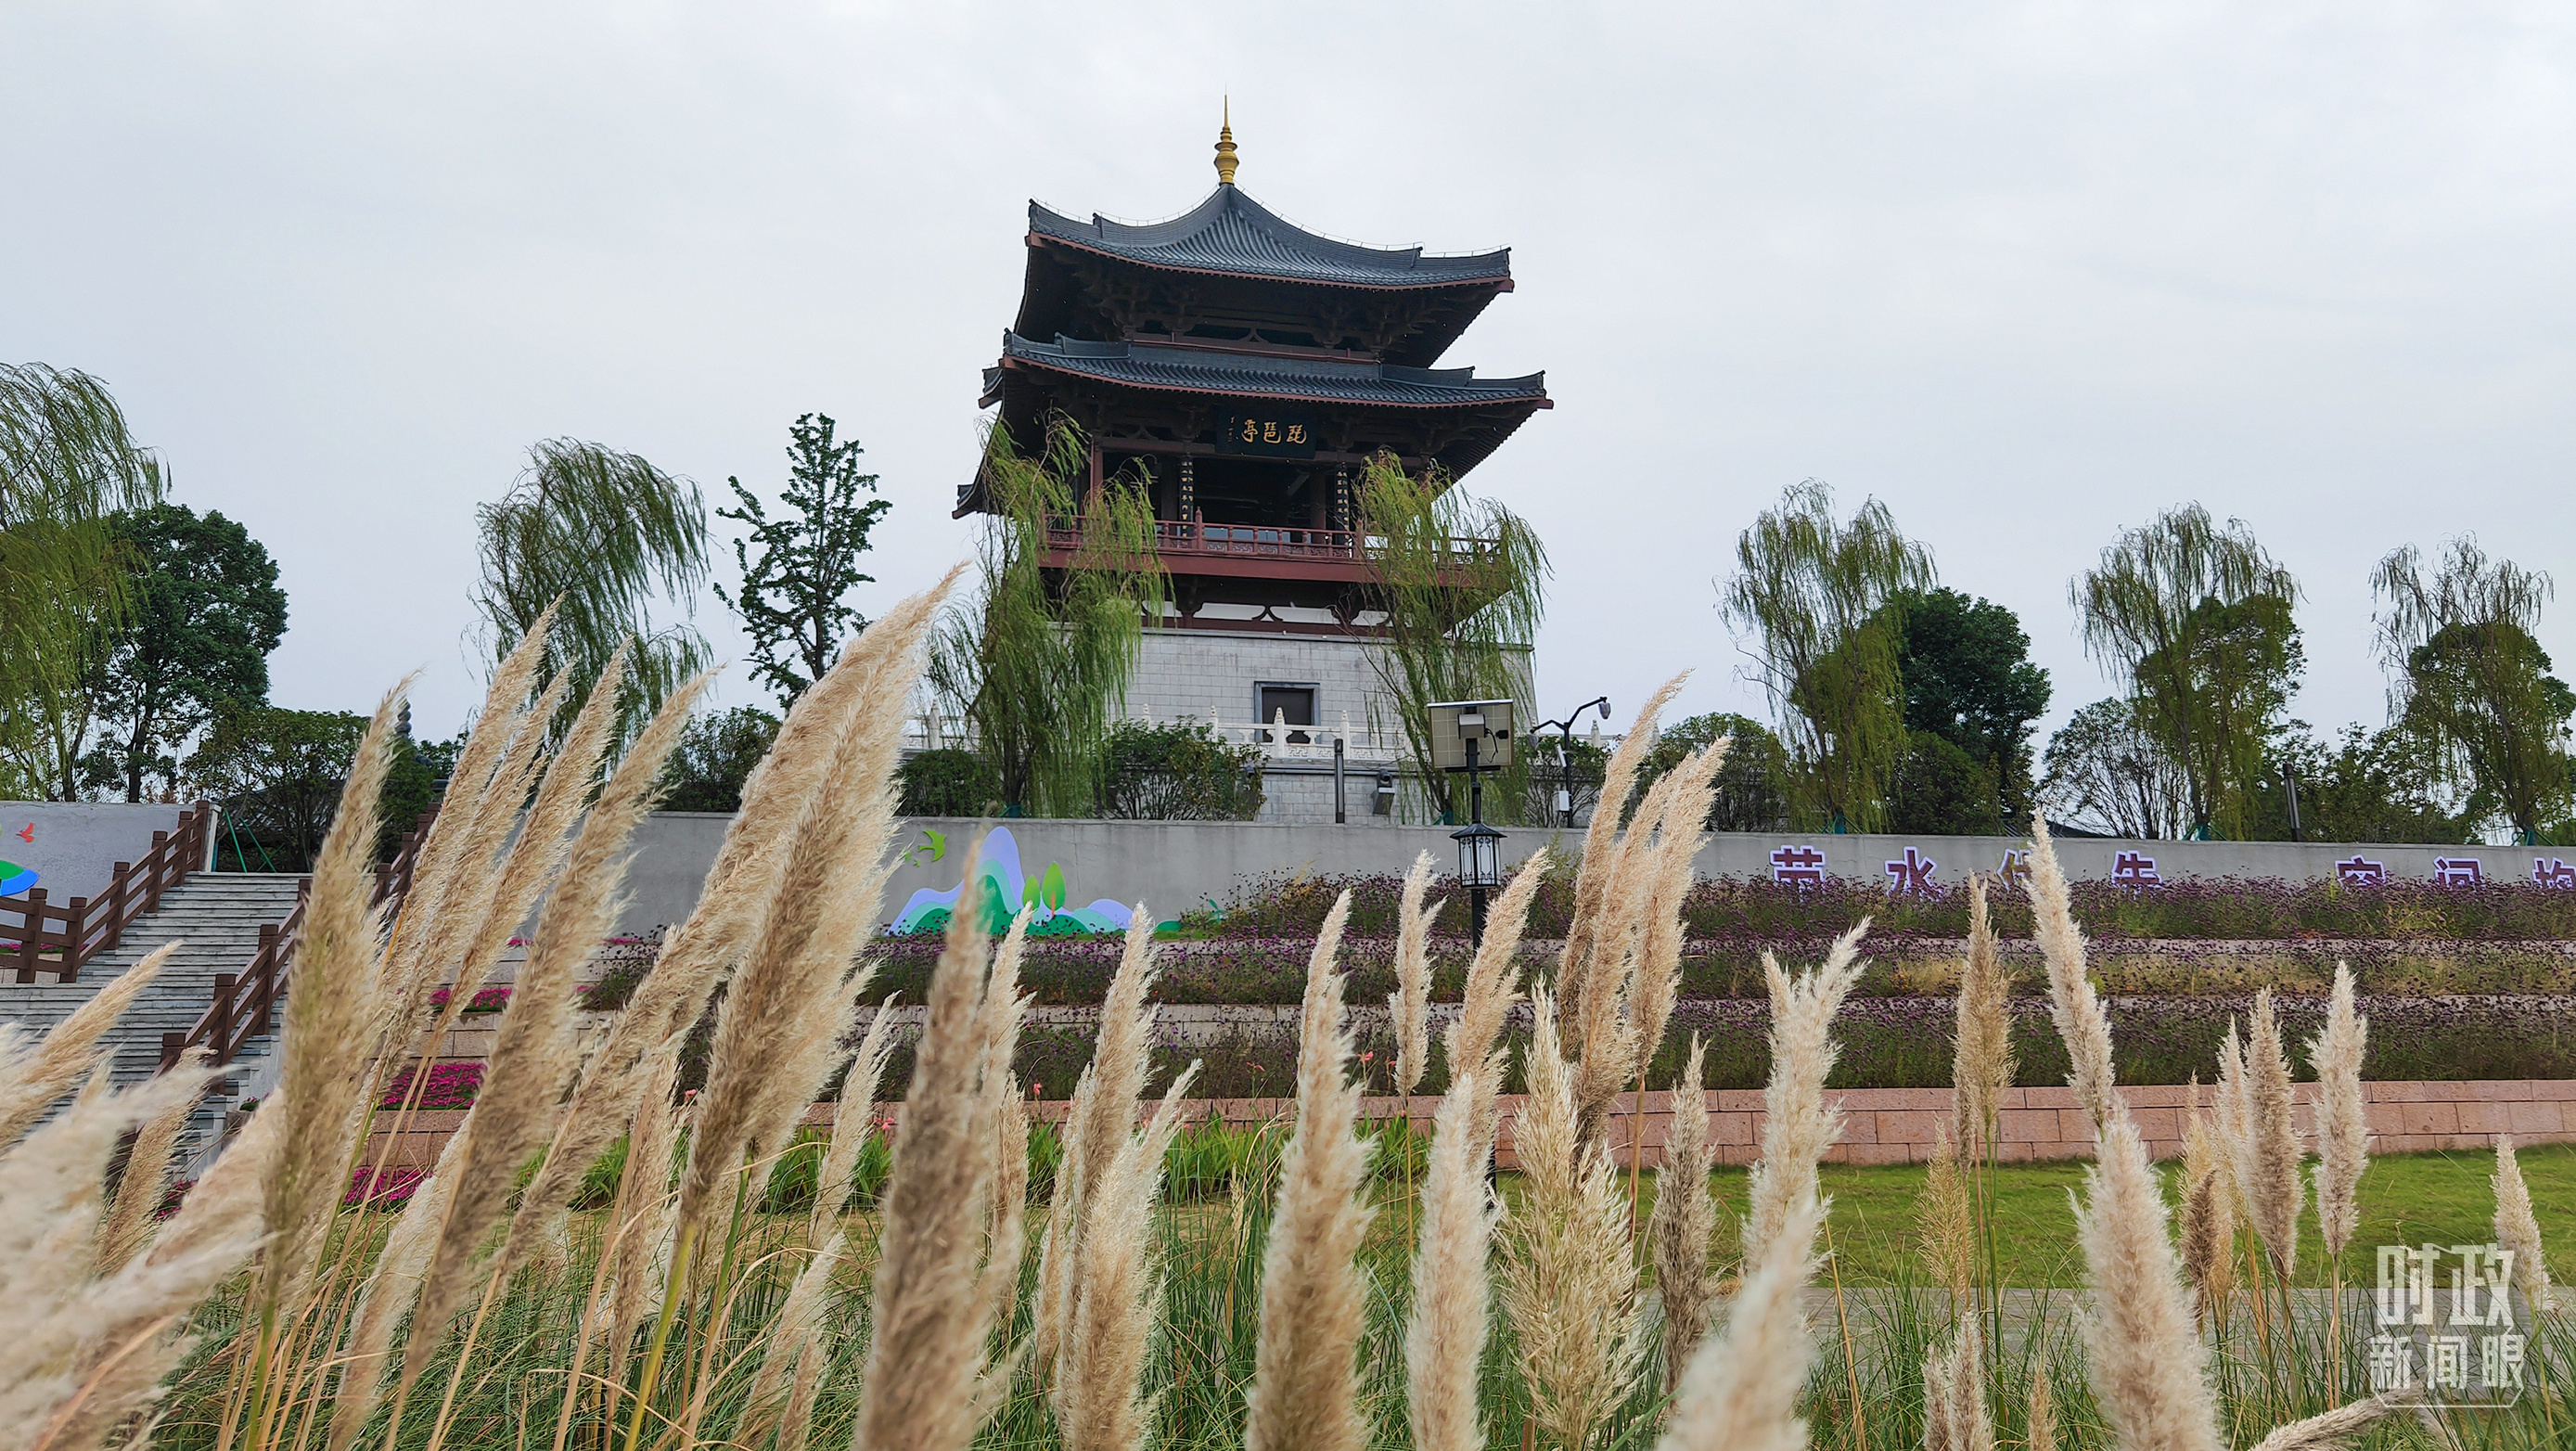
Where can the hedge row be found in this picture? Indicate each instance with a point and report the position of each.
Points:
(1273, 969)
(1759, 911)
(1905, 1043)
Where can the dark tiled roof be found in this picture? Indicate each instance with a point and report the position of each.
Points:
(1324, 380)
(1233, 234)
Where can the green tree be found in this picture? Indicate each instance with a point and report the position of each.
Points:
(793, 597)
(204, 611)
(2468, 672)
(1965, 667)
(67, 463)
(2106, 773)
(2194, 619)
(2382, 786)
(1940, 790)
(600, 535)
(1752, 792)
(715, 755)
(413, 779)
(277, 774)
(1184, 771)
(1814, 592)
(1462, 585)
(947, 781)
(1037, 661)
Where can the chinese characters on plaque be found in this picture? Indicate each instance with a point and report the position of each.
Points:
(2448, 1325)
(1276, 434)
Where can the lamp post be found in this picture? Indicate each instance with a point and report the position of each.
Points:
(1565, 733)
(1474, 736)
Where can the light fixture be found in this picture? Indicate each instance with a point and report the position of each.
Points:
(1480, 857)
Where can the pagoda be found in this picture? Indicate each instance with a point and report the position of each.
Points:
(1247, 370)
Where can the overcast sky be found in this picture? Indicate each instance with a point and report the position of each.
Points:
(2029, 274)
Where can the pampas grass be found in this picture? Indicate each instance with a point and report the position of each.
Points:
(1955, 1417)
(2343, 1132)
(2268, 1157)
(1409, 1006)
(1444, 1338)
(1097, 1124)
(1305, 1390)
(1981, 1055)
(1684, 1225)
(33, 1076)
(2517, 1229)
(1569, 1280)
(1797, 1125)
(1740, 1391)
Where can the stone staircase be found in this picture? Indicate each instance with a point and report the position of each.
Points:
(216, 916)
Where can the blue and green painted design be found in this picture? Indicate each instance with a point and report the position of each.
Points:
(15, 879)
(1007, 890)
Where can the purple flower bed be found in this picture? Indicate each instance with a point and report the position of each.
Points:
(451, 1085)
(393, 1189)
(485, 1000)
(1758, 911)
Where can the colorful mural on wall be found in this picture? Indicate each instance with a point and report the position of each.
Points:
(15, 879)
(1007, 890)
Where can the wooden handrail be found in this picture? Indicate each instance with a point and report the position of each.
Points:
(62, 940)
(245, 1004)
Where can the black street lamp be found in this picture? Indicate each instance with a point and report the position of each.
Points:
(1474, 736)
(1564, 733)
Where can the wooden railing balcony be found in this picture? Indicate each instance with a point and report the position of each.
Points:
(1184, 541)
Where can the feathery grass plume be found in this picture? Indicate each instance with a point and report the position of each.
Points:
(1100, 1116)
(1943, 1222)
(639, 1224)
(324, 1041)
(391, 1286)
(1410, 1004)
(853, 1121)
(1444, 1338)
(127, 1230)
(2039, 1417)
(2208, 1217)
(86, 1351)
(786, 1010)
(1684, 1222)
(795, 1337)
(1797, 1126)
(796, 1417)
(2328, 1432)
(1097, 1397)
(1492, 988)
(2072, 1003)
(1678, 837)
(1569, 1277)
(537, 1054)
(1981, 1055)
(1002, 1120)
(1305, 1386)
(1740, 1390)
(2145, 1355)
(2517, 1229)
(927, 1351)
(2343, 1128)
(2269, 1162)
(2233, 1109)
(436, 874)
(1955, 1417)
(1600, 849)
(34, 1075)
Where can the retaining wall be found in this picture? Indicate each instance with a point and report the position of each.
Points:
(73, 846)
(1176, 866)
(1895, 1125)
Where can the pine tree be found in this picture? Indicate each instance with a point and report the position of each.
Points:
(792, 598)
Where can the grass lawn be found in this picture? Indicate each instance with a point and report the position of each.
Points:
(2405, 1198)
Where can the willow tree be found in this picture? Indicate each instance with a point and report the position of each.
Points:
(2194, 618)
(1038, 659)
(2467, 670)
(67, 463)
(1814, 593)
(602, 536)
(1462, 584)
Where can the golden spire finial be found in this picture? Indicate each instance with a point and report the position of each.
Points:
(1225, 157)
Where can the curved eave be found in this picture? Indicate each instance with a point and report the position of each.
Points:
(1497, 282)
(1505, 392)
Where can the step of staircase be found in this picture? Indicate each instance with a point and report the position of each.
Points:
(215, 917)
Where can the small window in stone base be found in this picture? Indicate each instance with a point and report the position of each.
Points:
(1292, 704)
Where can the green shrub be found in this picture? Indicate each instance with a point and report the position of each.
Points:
(1179, 772)
(948, 782)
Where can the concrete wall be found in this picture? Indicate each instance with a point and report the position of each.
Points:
(74, 846)
(1174, 866)
(1185, 674)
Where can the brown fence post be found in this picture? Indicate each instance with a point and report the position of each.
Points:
(225, 984)
(158, 859)
(31, 938)
(75, 937)
(266, 969)
(174, 1045)
(117, 891)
